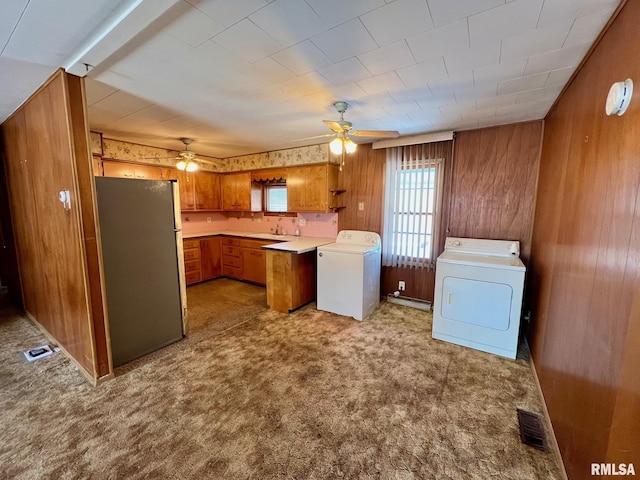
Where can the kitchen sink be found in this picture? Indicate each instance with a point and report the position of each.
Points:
(273, 236)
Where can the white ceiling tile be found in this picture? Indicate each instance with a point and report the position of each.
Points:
(228, 12)
(123, 103)
(555, 60)
(414, 95)
(398, 20)
(447, 11)
(248, 40)
(188, 24)
(404, 108)
(349, 91)
(386, 59)
(586, 29)
(559, 77)
(498, 23)
(288, 21)
(96, 90)
(535, 41)
(441, 101)
(447, 40)
(54, 38)
(387, 82)
(302, 58)
(335, 12)
(268, 71)
(555, 11)
(10, 13)
(424, 73)
(347, 71)
(306, 84)
(497, 100)
(501, 71)
(466, 60)
(344, 41)
(546, 93)
(522, 84)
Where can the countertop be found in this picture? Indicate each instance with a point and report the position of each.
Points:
(286, 243)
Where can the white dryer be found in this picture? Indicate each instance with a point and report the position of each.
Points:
(478, 295)
(348, 279)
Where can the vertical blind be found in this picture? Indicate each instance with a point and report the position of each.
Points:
(413, 190)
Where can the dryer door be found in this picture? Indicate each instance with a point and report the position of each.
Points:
(485, 304)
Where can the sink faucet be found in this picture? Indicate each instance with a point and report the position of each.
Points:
(277, 231)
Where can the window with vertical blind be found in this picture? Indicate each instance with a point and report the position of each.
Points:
(413, 194)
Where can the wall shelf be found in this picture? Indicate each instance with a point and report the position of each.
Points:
(336, 208)
(336, 191)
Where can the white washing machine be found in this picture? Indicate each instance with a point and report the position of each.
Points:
(348, 274)
(478, 295)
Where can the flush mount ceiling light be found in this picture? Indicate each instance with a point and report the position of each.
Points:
(187, 159)
(619, 97)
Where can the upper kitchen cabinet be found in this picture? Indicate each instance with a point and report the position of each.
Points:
(239, 194)
(199, 191)
(308, 188)
(112, 168)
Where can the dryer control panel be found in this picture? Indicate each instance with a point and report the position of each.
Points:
(480, 246)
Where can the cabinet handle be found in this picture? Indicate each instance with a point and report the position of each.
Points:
(128, 175)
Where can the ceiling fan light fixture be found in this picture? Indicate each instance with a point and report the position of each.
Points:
(191, 166)
(336, 146)
(181, 165)
(350, 146)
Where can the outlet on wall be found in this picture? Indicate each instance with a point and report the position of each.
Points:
(208, 219)
(401, 285)
(302, 222)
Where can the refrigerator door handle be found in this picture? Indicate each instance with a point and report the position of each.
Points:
(177, 230)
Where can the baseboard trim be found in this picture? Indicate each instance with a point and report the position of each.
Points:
(409, 302)
(547, 419)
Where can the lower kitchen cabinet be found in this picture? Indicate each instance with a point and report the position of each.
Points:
(231, 259)
(291, 279)
(254, 261)
(210, 257)
(192, 268)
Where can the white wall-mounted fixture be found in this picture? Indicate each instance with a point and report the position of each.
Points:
(619, 97)
(65, 198)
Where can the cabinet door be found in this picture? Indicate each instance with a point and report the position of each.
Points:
(254, 265)
(185, 185)
(207, 191)
(147, 172)
(97, 166)
(295, 189)
(118, 169)
(316, 190)
(236, 191)
(228, 190)
(210, 256)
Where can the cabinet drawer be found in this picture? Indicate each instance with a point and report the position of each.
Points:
(192, 254)
(191, 243)
(192, 266)
(192, 277)
(230, 241)
(229, 271)
(256, 243)
(231, 251)
(231, 261)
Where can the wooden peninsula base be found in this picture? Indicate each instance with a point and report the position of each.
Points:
(291, 279)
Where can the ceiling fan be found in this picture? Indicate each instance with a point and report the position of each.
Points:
(186, 158)
(343, 131)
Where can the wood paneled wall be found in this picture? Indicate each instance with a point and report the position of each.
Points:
(585, 261)
(493, 187)
(45, 141)
(489, 192)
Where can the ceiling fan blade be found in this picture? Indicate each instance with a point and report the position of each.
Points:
(313, 138)
(335, 126)
(375, 133)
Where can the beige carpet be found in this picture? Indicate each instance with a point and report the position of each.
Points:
(309, 395)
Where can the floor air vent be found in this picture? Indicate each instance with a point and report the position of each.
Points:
(531, 429)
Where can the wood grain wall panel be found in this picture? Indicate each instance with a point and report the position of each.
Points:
(84, 165)
(41, 154)
(363, 179)
(585, 257)
(494, 178)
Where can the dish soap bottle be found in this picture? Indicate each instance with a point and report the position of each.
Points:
(297, 232)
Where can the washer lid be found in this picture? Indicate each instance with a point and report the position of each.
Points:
(348, 248)
(488, 261)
